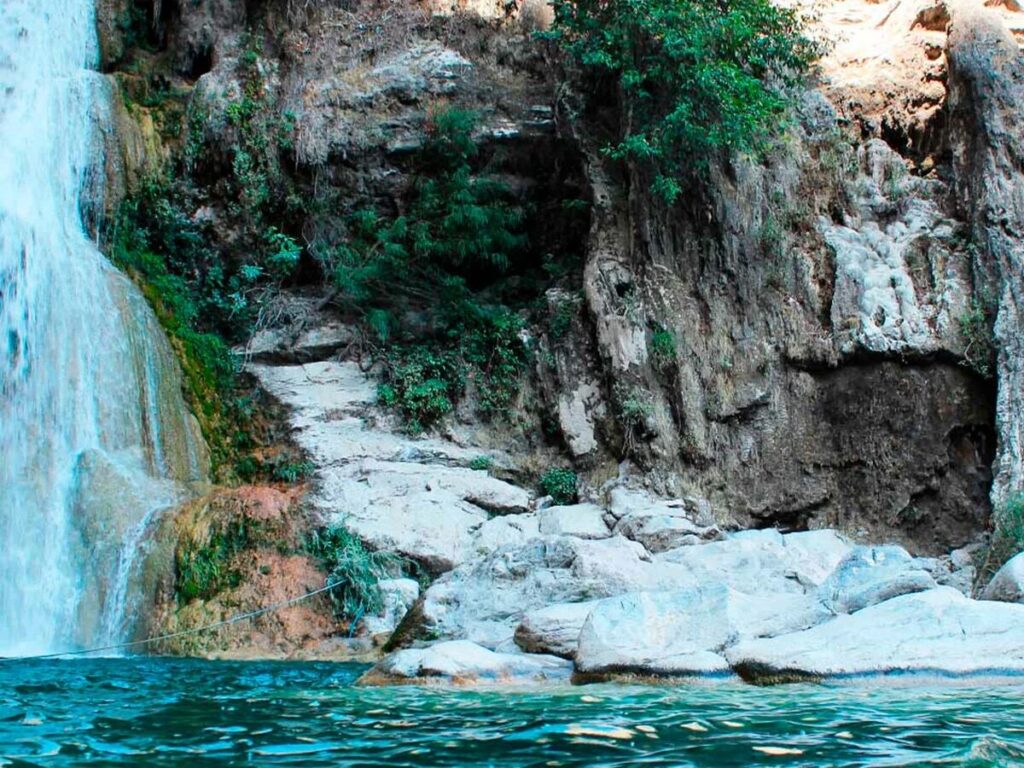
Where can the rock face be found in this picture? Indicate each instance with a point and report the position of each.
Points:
(935, 631)
(1007, 585)
(986, 99)
(828, 368)
(463, 663)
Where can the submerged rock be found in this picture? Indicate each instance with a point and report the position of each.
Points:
(937, 631)
(461, 662)
(1007, 586)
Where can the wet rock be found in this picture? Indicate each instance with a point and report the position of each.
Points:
(461, 662)
(683, 633)
(1007, 586)
(554, 629)
(938, 631)
(871, 575)
(585, 521)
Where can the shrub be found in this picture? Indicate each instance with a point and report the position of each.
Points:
(482, 463)
(458, 226)
(979, 342)
(697, 76)
(353, 570)
(423, 384)
(560, 484)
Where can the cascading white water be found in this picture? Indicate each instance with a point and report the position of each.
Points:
(94, 434)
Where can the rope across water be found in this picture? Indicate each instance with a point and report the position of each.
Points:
(173, 635)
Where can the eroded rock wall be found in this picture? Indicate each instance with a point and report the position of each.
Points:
(812, 301)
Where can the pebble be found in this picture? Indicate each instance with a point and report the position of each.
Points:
(695, 727)
(646, 729)
(844, 735)
(732, 724)
(590, 699)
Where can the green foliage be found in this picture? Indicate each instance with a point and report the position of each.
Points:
(425, 382)
(457, 226)
(203, 568)
(482, 463)
(260, 187)
(494, 351)
(697, 76)
(979, 341)
(663, 348)
(635, 408)
(1007, 537)
(353, 570)
(560, 484)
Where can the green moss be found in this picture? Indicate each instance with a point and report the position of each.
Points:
(204, 567)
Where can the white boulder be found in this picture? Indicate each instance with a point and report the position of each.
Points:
(461, 662)
(936, 631)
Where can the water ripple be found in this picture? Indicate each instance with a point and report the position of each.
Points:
(194, 713)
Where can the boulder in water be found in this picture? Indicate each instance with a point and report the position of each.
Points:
(462, 662)
(683, 633)
(937, 631)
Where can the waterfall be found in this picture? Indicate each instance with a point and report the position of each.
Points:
(94, 434)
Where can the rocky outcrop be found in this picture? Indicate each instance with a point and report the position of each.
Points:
(683, 633)
(415, 497)
(487, 599)
(938, 631)
(794, 346)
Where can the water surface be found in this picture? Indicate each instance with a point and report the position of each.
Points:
(157, 712)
